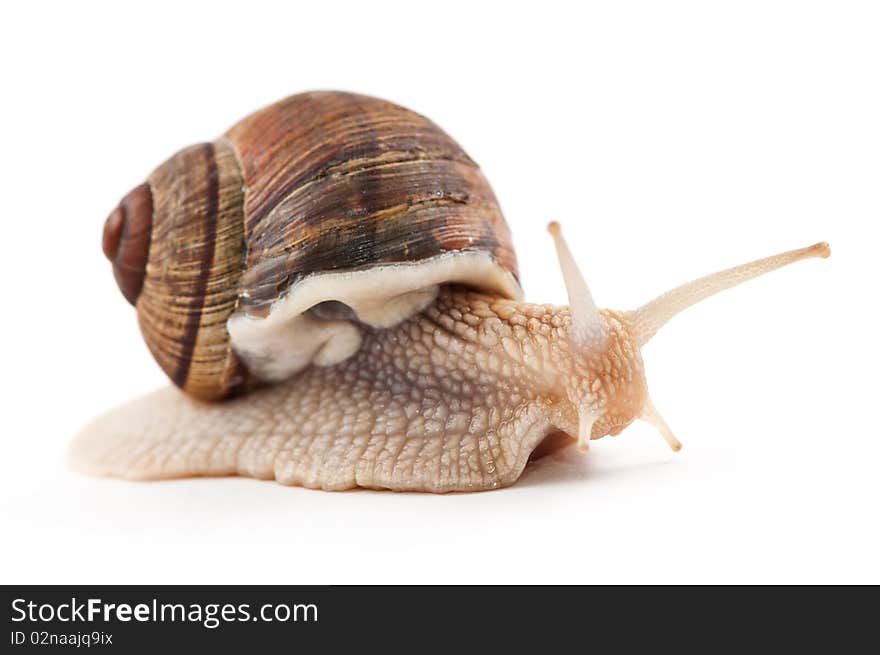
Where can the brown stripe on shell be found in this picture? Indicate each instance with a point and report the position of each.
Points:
(208, 225)
(194, 268)
(340, 181)
(126, 240)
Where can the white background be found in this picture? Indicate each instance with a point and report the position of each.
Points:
(670, 139)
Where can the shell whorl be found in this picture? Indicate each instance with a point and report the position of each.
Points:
(340, 181)
(193, 271)
(126, 240)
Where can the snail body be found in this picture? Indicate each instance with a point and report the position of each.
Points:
(333, 288)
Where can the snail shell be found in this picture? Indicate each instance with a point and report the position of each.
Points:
(251, 257)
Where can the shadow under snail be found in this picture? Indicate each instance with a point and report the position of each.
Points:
(333, 287)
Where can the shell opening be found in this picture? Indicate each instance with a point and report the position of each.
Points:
(291, 337)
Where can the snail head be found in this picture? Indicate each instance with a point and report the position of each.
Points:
(608, 388)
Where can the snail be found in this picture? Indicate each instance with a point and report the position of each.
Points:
(333, 290)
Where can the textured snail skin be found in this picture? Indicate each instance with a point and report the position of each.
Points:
(454, 399)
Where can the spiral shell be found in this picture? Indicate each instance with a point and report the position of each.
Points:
(318, 212)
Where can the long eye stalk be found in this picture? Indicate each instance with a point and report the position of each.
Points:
(588, 328)
(652, 316)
